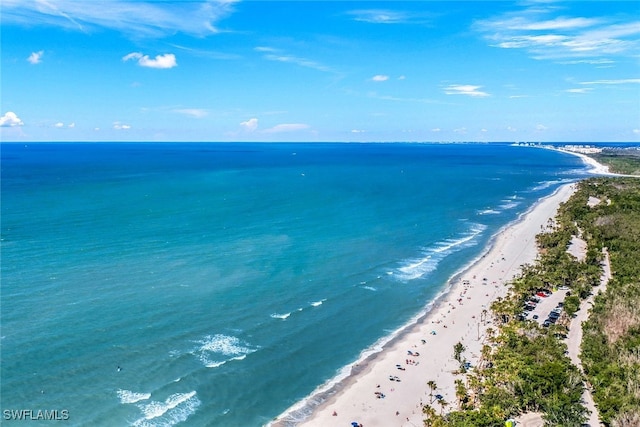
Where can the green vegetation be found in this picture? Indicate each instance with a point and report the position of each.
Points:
(611, 343)
(624, 161)
(525, 368)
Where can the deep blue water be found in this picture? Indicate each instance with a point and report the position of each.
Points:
(219, 284)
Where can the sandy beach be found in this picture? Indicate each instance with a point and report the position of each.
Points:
(390, 387)
(596, 167)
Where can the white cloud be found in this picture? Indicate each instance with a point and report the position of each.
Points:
(436, 130)
(541, 127)
(579, 90)
(388, 16)
(120, 126)
(273, 54)
(168, 60)
(560, 23)
(59, 125)
(72, 125)
(287, 127)
(562, 37)
(379, 78)
(636, 131)
(612, 82)
(401, 78)
(358, 131)
(197, 113)
(250, 125)
(469, 90)
(10, 119)
(35, 57)
(132, 17)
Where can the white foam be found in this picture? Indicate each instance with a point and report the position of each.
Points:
(175, 409)
(127, 396)
(209, 364)
(318, 303)
(547, 184)
(370, 288)
(488, 212)
(508, 205)
(214, 350)
(280, 316)
(416, 268)
(224, 344)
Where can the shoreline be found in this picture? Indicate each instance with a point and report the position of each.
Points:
(364, 391)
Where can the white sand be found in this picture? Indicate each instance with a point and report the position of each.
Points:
(597, 168)
(457, 318)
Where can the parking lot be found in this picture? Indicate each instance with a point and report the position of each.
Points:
(545, 306)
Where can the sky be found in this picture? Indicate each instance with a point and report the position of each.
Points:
(352, 71)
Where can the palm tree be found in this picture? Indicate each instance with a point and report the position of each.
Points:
(461, 393)
(430, 413)
(432, 387)
(443, 404)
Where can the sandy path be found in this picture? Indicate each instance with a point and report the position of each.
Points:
(574, 337)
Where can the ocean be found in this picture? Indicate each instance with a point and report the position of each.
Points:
(211, 284)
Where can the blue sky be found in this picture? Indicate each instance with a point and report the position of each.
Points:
(132, 70)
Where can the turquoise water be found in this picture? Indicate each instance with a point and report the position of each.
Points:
(219, 284)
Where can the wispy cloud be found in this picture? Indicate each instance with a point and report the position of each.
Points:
(469, 90)
(612, 82)
(35, 57)
(273, 54)
(196, 113)
(10, 119)
(168, 60)
(141, 19)
(287, 127)
(388, 16)
(579, 90)
(380, 78)
(379, 16)
(546, 36)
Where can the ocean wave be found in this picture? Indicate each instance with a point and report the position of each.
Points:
(127, 396)
(318, 303)
(508, 205)
(546, 184)
(175, 409)
(419, 267)
(488, 212)
(215, 350)
(281, 316)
